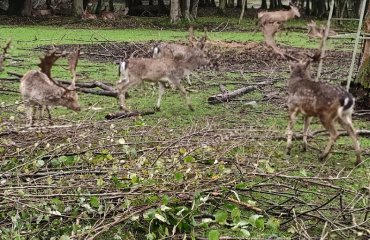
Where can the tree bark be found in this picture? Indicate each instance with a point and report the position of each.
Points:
(27, 8)
(222, 6)
(264, 4)
(77, 7)
(244, 3)
(175, 11)
(194, 9)
(363, 76)
(111, 6)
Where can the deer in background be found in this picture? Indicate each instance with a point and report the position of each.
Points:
(329, 103)
(278, 16)
(39, 90)
(173, 50)
(108, 15)
(87, 15)
(161, 70)
(317, 32)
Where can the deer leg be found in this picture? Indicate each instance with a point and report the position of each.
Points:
(346, 123)
(29, 113)
(160, 94)
(329, 125)
(185, 94)
(122, 102)
(292, 119)
(188, 79)
(49, 115)
(307, 121)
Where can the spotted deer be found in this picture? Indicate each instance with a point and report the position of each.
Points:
(39, 90)
(328, 102)
(161, 70)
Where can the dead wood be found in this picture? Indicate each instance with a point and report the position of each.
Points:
(227, 96)
(98, 92)
(3, 55)
(118, 115)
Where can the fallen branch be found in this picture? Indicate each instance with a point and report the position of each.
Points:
(98, 92)
(118, 115)
(227, 96)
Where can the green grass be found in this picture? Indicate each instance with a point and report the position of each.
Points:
(243, 134)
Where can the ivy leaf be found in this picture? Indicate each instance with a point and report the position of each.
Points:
(235, 214)
(189, 159)
(221, 217)
(273, 223)
(245, 232)
(160, 217)
(213, 235)
(94, 202)
(179, 177)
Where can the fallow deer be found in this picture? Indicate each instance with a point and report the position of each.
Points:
(184, 52)
(161, 70)
(278, 16)
(107, 15)
(315, 31)
(87, 15)
(328, 102)
(39, 90)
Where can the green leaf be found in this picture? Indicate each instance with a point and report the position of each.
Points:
(160, 217)
(241, 185)
(221, 217)
(179, 177)
(260, 224)
(182, 151)
(235, 215)
(273, 223)
(245, 232)
(40, 163)
(213, 235)
(64, 237)
(94, 202)
(254, 218)
(189, 159)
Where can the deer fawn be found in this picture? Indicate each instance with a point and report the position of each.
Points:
(318, 99)
(39, 90)
(161, 70)
(278, 16)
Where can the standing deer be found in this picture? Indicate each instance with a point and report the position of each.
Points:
(329, 103)
(278, 16)
(39, 90)
(161, 70)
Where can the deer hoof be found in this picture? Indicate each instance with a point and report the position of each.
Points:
(322, 157)
(358, 160)
(157, 109)
(304, 148)
(191, 108)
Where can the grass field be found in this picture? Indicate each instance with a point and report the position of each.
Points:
(219, 172)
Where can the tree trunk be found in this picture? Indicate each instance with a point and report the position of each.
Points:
(363, 76)
(98, 7)
(185, 7)
(264, 4)
(77, 7)
(194, 9)
(27, 8)
(111, 6)
(244, 2)
(222, 6)
(48, 4)
(231, 3)
(174, 12)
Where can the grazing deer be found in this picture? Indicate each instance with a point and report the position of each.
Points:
(278, 16)
(39, 90)
(317, 32)
(329, 103)
(87, 15)
(173, 50)
(161, 70)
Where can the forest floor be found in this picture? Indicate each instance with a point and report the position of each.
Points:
(218, 171)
